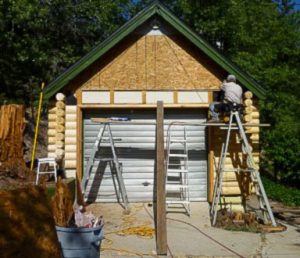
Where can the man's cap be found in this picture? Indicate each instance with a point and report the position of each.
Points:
(231, 78)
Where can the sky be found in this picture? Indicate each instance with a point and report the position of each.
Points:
(297, 6)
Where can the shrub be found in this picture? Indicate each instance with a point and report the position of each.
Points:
(278, 192)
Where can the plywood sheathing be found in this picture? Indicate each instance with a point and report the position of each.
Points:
(160, 62)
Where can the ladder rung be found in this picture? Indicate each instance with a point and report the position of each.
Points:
(177, 140)
(238, 170)
(177, 202)
(178, 155)
(177, 170)
(104, 159)
(226, 128)
(171, 187)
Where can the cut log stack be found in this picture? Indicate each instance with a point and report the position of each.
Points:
(70, 141)
(60, 126)
(51, 130)
(252, 117)
(56, 128)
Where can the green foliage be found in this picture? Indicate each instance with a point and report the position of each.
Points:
(263, 38)
(42, 38)
(287, 195)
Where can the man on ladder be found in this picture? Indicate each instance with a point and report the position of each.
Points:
(231, 93)
(232, 104)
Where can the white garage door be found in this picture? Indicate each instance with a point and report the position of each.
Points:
(135, 147)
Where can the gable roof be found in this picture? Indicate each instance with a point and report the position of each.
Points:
(155, 9)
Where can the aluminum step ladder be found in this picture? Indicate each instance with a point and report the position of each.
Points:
(177, 182)
(114, 163)
(264, 204)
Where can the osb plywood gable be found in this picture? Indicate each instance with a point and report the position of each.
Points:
(153, 62)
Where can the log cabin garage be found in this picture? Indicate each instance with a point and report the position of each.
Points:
(153, 57)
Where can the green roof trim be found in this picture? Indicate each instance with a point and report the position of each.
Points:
(130, 26)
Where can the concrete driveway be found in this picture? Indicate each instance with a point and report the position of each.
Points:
(188, 236)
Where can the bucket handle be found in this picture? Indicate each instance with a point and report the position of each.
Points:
(98, 238)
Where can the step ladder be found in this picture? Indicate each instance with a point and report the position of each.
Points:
(264, 204)
(177, 182)
(114, 163)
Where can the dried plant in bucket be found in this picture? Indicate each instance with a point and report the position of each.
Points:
(62, 206)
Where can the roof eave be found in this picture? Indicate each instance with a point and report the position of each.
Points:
(213, 53)
(98, 51)
(130, 26)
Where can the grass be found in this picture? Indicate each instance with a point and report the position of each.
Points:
(287, 195)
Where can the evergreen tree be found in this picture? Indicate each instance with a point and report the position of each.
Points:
(41, 38)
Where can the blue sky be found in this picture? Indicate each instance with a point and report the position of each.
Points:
(297, 6)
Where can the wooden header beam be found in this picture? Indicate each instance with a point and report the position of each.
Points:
(107, 120)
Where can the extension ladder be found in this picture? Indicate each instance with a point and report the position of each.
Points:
(114, 163)
(177, 182)
(254, 173)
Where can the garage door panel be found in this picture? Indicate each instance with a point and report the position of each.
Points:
(139, 139)
(139, 182)
(136, 170)
(140, 196)
(135, 147)
(138, 188)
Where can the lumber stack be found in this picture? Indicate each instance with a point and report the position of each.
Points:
(70, 141)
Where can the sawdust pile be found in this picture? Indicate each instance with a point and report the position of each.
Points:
(26, 224)
(237, 220)
(244, 221)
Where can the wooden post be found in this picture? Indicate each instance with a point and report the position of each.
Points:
(80, 197)
(211, 154)
(161, 225)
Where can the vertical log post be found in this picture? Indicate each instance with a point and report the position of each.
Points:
(211, 175)
(161, 225)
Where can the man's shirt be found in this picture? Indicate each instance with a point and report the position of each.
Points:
(232, 92)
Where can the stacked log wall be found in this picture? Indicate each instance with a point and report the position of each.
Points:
(60, 127)
(70, 141)
(237, 185)
(51, 130)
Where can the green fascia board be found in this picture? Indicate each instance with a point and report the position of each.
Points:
(130, 26)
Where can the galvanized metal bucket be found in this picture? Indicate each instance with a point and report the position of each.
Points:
(80, 242)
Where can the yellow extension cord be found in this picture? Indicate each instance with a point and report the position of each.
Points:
(143, 231)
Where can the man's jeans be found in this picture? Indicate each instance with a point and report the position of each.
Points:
(215, 108)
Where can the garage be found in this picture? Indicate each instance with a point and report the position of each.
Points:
(135, 148)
